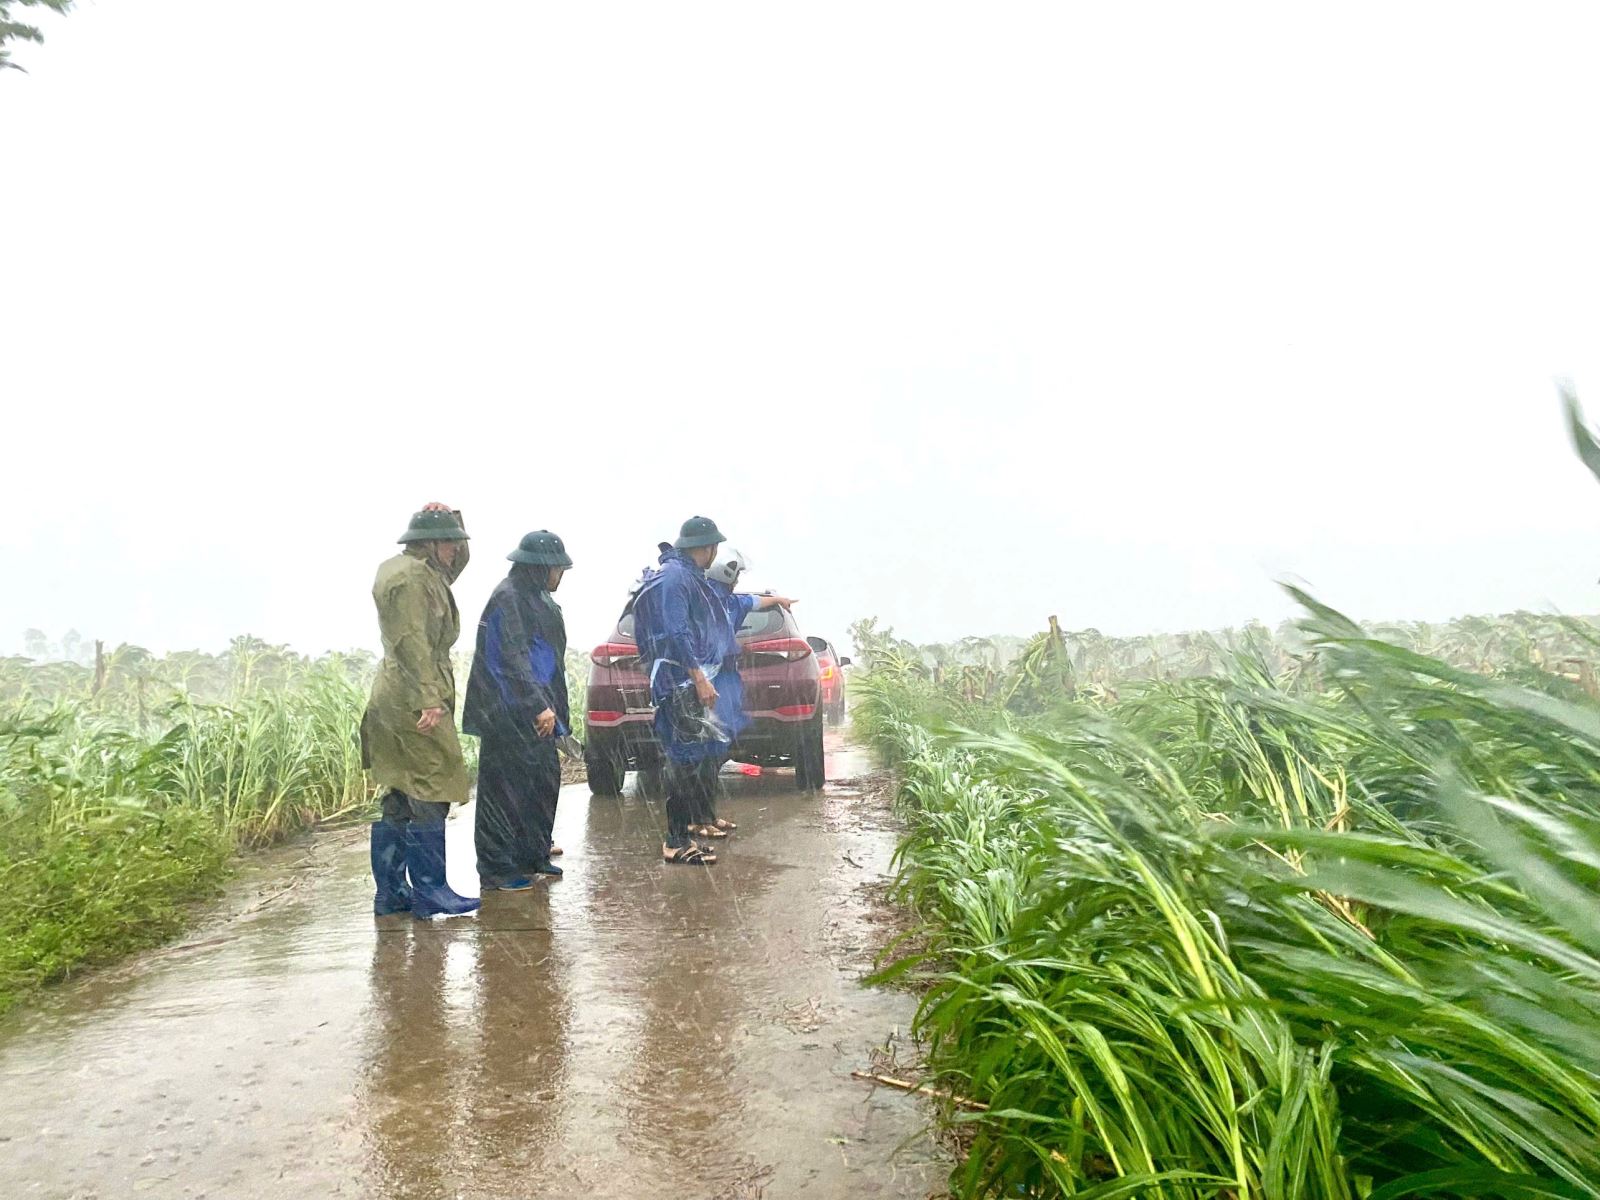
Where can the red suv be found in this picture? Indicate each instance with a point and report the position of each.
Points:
(781, 698)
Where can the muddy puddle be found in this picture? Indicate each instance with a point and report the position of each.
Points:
(632, 1029)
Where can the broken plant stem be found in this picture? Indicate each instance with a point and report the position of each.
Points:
(905, 1085)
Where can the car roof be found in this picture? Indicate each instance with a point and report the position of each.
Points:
(779, 622)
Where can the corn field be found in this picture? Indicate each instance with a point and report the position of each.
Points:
(125, 791)
(1057, 664)
(1311, 918)
(129, 780)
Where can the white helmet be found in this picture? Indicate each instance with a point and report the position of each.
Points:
(727, 569)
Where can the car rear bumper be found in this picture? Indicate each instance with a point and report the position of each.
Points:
(610, 719)
(772, 739)
(773, 736)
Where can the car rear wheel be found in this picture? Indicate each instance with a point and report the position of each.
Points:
(809, 770)
(606, 767)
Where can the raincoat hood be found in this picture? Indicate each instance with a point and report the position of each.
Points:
(530, 577)
(671, 554)
(425, 551)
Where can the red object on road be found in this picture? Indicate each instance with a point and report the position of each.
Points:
(750, 769)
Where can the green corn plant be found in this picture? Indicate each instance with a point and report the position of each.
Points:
(117, 807)
(1288, 930)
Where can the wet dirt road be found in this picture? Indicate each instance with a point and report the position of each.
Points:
(630, 1030)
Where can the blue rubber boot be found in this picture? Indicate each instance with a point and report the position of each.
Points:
(517, 883)
(430, 894)
(393, 894)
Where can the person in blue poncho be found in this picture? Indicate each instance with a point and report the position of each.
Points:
(723, 576)
(517, 705)
(681, 627)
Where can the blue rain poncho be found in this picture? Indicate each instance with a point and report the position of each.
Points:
(730, 685)
(680, 623)
(519, 669)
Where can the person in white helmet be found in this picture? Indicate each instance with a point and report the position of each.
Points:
(723, 576)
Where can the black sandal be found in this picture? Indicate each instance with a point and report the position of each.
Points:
(690, 856)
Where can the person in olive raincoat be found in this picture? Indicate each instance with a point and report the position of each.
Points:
(517, 704)
(408, 733)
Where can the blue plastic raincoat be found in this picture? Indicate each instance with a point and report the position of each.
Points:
(679, 623)
(519, 669)
(730, 685)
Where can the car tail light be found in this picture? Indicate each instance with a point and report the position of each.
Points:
(796, 710)
(793, 649)
(611, 653)
(827, 673)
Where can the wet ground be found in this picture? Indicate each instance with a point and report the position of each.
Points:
(633, 1029)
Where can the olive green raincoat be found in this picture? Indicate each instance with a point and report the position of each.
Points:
(418, 618)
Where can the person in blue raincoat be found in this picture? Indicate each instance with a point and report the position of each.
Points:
(723, 576)
(517, 705)
(678, 624)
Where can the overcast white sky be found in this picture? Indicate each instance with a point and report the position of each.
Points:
(957, 315)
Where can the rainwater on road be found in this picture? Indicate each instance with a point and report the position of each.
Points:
(633, 1029)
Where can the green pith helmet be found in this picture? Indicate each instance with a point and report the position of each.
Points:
(697, 532)
(434, 525)
(541, 548)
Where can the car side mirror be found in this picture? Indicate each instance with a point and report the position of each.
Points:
(844, 662)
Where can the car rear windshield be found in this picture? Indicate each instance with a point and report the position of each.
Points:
(761, 624)
(757, 624)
